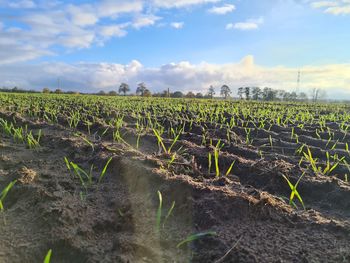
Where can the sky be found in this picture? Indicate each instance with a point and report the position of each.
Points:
(184, 45)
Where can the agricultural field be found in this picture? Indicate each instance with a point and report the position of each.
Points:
(129, 179)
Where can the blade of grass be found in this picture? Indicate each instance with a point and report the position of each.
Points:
(48, 256)
(104, 170)
(195, 237)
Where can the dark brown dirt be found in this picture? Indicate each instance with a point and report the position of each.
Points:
(116, 220)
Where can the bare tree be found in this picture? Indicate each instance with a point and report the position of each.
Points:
(190, 94)
(225, 91)
(124, 88)
(318, 94)
(302, 96)
(247, 93)
(141, 88)
(240, 93)
(256, 93)
(211, 92)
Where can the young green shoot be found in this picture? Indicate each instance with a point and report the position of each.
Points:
(103, 172)
(48, 256)
(4, 193)
(159, 212)
(230, 168)
(294, 192)
(195, 237)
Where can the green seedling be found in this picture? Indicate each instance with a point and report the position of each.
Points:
(31, 141)
(161, 143)
(271, 141)
(102, 174)
(230, 168)
(48, 256)
(172, 159)
(216, 159)
(195, 237)
(4, 193)
(294, 191)
(170, 211)
(159, 212)
(87, 142)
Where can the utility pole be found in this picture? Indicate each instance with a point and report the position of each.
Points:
(298, 82)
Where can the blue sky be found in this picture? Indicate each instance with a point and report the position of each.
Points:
(163, 42)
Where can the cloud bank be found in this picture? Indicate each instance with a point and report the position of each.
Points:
(335, 7)
(182, 76)
(40, 26)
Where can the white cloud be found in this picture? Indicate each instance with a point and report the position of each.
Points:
(336, 7)
(338, 10)
(46, 24)
(82, 15)
(22, 4)
(320, 4)
(222, 10)
(112, 31)
(112, 8)
(145, 20)
(180, 3)
(177, 25)
(183, 76)
(19, 53)
(250, 24)
(246, 26)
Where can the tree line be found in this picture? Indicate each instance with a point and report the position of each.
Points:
(246, 93)
(243, 93)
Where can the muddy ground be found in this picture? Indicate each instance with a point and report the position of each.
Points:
(116, 220)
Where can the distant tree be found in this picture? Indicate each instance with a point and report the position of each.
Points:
(101, 93)
(302, 96)
(269, 94)
(318, 94)
(46, 90)
(112, 93)
(58, 91)
(124, 88)
(240, 92)
(141, 88)
(247, 93)
(293, 96)
(190, 94)
(199, 95)
(165, 94)
(225, 91)
(256, 93)
(211, 92)
(157, 94)
(177, 94)
(282, 94)
(147, 93)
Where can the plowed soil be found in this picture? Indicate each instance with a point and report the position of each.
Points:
(116, 221)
